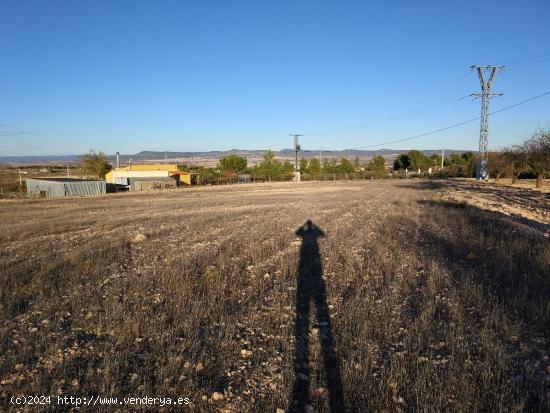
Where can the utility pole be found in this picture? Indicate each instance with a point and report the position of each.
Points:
(485, 95)
(296, 149)
(68, 172)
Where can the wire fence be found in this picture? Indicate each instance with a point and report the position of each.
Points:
(305, 177)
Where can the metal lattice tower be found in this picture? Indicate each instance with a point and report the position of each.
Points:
(485, 95)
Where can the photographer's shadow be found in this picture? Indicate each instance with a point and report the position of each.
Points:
(311, 287)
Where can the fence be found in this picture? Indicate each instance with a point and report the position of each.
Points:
(321, 177)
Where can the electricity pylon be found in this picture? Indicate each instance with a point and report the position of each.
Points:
(485, 95)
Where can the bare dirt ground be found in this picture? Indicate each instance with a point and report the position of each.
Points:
(528, 206)
(346, 296)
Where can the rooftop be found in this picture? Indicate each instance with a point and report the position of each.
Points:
(65, 179)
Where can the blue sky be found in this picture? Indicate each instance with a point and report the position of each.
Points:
(213, 75)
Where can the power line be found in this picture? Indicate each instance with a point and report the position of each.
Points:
(456, 125)
(528, 64)
(521, 103)
(525, 58)
(404, 116)
(436, 99)
(525, 61)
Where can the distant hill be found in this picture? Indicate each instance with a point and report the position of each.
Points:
(39, 159)
(209, 157)
(150, 155)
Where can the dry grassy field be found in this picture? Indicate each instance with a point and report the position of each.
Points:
(349, 296)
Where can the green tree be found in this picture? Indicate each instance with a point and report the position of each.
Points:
(314, 166)
(287, 168)
(233, 162)
(377, 166)
(269, 168)
(435, 159)
(470, 160)
(456, 159)
(329, 166)
(462, 165)
(95, 165)
(206, 176)
(403, 161)
(304, 165)
(419, 161)
(345, 166)
(357, 164)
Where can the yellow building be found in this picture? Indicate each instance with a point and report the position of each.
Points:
(149, 167)
(135, 173)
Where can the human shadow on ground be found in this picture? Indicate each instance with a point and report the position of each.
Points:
(311, 288)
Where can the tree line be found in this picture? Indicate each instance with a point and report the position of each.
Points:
(233, 166)
(530, 159)
(454, 166)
